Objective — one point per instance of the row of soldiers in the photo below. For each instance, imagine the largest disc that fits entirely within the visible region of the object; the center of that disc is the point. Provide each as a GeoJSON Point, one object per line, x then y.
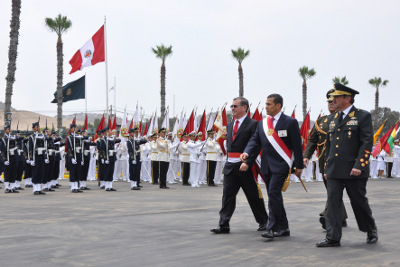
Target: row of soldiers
{"type": "Point", "coordinates": [38, 155]}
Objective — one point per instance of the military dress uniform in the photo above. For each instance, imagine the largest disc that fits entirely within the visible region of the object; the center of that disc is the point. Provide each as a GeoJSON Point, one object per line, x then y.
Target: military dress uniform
{"type": "Point", "coordinates": [86, 144]}
{"type": "Point", "coordinates": [38, 150]}
{"type": "Point", "coordinates": [21, 160]}
{"type": "Point", "coordinates": [317, 140]}
{"type": "Point", "coordinates": [163, 159]}
{"type": "Point", "coordinates": [155, 169]}
{"type": "Point", "coordinates": [185, 161]}
{"type": "Point", "coordinates": [27, 167]}
{"type": "Point", "coordinates": [109, 161]}
{"type": "Point", "coordinates": [75, 161]}
{"type": "Point", "coordinates": [100, 145]}
{"type": "Point", "coordinates": [348, 145]}
{"type": "Point", "coordinates": [57, 159]}
{"type": "Point", "coordinates": [211, 160]}
{"type": "Point", "coordinates": [9, 151]}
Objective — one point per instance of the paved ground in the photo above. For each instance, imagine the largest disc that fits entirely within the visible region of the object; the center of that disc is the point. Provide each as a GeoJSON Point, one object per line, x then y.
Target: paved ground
{"type": "Point", "coordinates": [154, 227]}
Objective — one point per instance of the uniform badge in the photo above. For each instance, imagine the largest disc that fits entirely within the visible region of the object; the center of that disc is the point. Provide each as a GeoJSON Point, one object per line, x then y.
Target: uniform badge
{"type": "Point", "coordinates": [351, 114]}
{"type": "Point", "coordinates": [325, 120]}
{"type": "Point", "coordinates": [270, 132]}
{"type": "Point", "coordinates": [282, 133]}
{"type": "Point", "coordinates": [352, 122]}
{"type": "Point", "coordinates": [336, 115]}
{"type": "Point", "coordinates": [331, 125]}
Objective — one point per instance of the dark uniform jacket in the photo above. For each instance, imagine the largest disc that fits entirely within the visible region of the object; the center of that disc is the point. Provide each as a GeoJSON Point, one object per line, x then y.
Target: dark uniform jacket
{"type": "Point", "coordinates": [349, 144]}
{"type": "Point", "coordinates": [316, 140]}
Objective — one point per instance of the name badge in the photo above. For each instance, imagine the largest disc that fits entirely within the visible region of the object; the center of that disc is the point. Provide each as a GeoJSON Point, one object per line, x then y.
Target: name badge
{"type": "Point", "coordinates": [282, 133]}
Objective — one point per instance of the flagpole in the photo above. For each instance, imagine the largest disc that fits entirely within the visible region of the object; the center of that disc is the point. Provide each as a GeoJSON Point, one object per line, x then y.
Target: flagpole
{"type": "Point", "coordinates": [106, 61]}
{"type": "Point", "coordinates": [85, 96]}
{"type": "Point", "coordinates": [115, 94]}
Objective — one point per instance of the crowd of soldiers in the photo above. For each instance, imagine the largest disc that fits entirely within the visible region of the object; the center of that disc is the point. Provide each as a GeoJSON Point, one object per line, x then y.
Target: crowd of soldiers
{"type": "Point", "coordinates": [42, 156]}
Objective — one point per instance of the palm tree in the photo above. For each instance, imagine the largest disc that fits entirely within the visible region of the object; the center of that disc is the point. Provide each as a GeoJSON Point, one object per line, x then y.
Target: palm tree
{"type": "Point", "coordinates": [305, 74]}
{"type": "Point", "coordinates": [59, 25]}
{"type": "Point", "coordinates": [12, 54]}
{"type": "Point", "coordinates": [342, 80]}
{"type": "Point", "coordinates": [162, 52]}
{"type": "Point", "coordinates": [377, 82]}
{"type": "Point", "coordinates": [240, 55]}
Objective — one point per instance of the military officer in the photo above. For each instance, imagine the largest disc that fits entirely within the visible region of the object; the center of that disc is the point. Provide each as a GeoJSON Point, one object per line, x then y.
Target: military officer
{"type": "Point", "coordinates": [39, 157]}
{"type": "Point", "coordinates": [86, 144]}
{"type": "Point", "coordinates": [317, 140]}
{"type": "Point", "coordinates": [185, 159]}
{"type": "Point", "coordinates": [138, 166]}
{"type": "Point", "coordinates": [100, 144]}
{"type": "Point", "coordinates": [74, 158]}
{"type": "Point", "coordinates": [163, 157]}
{"type": "Point", "coordinates": [28, 167]}
{"type": "Point", "coordinates": [57, 158]}
{"type": "Point", "coordinates": [109, 161]}
{"type": "Point", "coordinates": [9, 152]}
{"type": "Point", "coordinates": [155, 170]}
{"type": "Point", "coordinates": [348, 145]}
{"type": "Point", "coordinates": [49, 164]}
{"type": "Point", "coordinates": [21, 159]}
{"type": "Point", "coordinates": [211, 157]}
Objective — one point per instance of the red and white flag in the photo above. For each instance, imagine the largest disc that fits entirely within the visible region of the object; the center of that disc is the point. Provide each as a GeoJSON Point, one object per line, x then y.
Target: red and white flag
{"type": "Point", "coordinates": [90, 54]}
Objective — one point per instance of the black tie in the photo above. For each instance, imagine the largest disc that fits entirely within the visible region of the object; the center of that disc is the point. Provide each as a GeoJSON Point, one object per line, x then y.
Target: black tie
{"type": "Point", "coordinates": [340, 116]}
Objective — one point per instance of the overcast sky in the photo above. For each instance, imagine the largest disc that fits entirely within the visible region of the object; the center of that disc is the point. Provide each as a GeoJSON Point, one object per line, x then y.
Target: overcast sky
{"type": "Point", "coordinates": [359, 39]}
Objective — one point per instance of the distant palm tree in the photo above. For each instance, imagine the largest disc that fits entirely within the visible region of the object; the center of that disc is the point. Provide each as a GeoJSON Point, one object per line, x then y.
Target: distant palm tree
{"type": "Point", "coordinates": [59, 25]}
{"type": "Point", "coordinates": [305, 74]}
{"type": "Point", "coordinates": [12, 54]}
{"type": "Point", "coordinates": [342, 80]}
{"type": "Point", "coordinates": [240, 55]}
{"type": "Point", "coordinates": [377, 82]}
{"type": "Point", "coordinates": [162, 52]}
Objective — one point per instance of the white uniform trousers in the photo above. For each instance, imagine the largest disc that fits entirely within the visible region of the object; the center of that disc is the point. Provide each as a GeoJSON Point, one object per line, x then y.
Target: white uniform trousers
{"type": "Point", "coordinates": [194, 174]}
{"type": "Point", "coordinates": [146, 171]}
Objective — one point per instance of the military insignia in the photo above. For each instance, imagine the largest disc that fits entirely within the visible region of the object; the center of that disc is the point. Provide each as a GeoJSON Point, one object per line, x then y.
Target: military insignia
{"type": "Point", "coordinates": [336, 115]}
{"type": "Point", "coordinates": [352, 122]}
{"type": "Point", "coordinates": [353, 118]}
{"type": "Point", "coordinates": [325, 120]}
{"type": "Point", "coordinates": [362, 164]}
{"type": "Point", "coordinates": [351, 114]}
{"type": "Point", "coordinates": [270, 132]}
{"type": "Point", "coordinates": [361, 160]}
{"type": "Point", "coordinates": [331, 126]}
{"type": "Point", "coordinates": [366, 155]}
{"type": "Point", "coordinates": [69, 91]}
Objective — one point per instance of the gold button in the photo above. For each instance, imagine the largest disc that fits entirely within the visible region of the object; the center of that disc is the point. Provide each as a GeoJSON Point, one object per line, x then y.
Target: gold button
{"type": "Point", "coordinates": [337, 145]}
{"type": "Point", "coordinates": [362, 164]}
{"type": "Point", "coordinates": [338, 130]}
{"type": "Point", "coordinates": [336, 154]}
{"type": "Point", "coordinates": [337, 138]}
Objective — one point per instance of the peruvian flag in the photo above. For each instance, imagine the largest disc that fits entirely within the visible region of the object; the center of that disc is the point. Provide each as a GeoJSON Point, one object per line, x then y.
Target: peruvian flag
{"type": "Point", "coordinates": [190, 124]}
{"type": "Point", "coordinates": [220, 123]}
{"type": "Point", "coordinates": [85, 125]}
{"type": "Point", "coordinates": [99, 127]}
{"type": "Point", "coordinates": [202, 127]}
{"type": "Point", "coordinates": [113, 129]}
{"type": "Point", "coordinates": [90, 54]}
{"type": "Point", "coordinates": [305, 129]}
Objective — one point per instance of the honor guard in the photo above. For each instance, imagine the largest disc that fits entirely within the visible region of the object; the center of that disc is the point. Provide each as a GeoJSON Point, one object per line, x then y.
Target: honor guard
{"type": "Point", "coordinates": [173, 168]}
{"type": "Point", "coordinates": [38, 151]}
{"type": "Point", "coordinates": [194, 150]}
{"type": "Point", "coordinates": [211, 157]}
{"type": "Point", "coordinates": [163, 157]}
{"type": "Point", "coordinates": [145, 154]}
{"type": "Point", "coordinates": [155, 169]}
{"type": "Point", "coordinates": [9, 151]}
{"type": "Point", "coordinates": [202, 159]}
{"type": "Point", "coordinates": [133, 145]}
{"type": "Point", "coordinates": [109, 158]}
{"type": "Point", "coordinates": [86, 144]}
{"type": "Point", "coordinates": [21, 141]}
{"type": "Point", "coordinates": [49, 164]}
{"type": "Point", "coordinates": [74, 158]}
{"type": "Point", "coordinates": [185, 159]}
{"type": "Point", "coordinates": [57, 158]}
{"type": "Point", "coordinates": [317, 140]}
{"type": "Point", "coordinates": [100, 144]}
{"type": "Point", "coordinates": [28, 168]}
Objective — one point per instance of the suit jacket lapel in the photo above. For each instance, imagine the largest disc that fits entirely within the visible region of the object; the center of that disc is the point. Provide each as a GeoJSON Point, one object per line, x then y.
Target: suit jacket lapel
{"type": "Point", "coordinates": [280, 122]}
{"type": "Point", "coordinates": [229, 130]}
{"type": "Point", "coordinates": [347, 118]}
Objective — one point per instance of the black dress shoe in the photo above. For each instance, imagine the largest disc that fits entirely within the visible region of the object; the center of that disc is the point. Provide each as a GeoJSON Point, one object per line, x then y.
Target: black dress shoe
{"type": "Point", "coordinates": [262, 227]}
{"type": "Point", "coordinates": [322, 221]}
{"type": "Point", "coordinates": [268, 234]}
{"type": "Point", "coordinates": [74, 191]}
{"type": "Point", "coordinates": [112, 189]}
{"type": "Point", "coordinates": [221, 230]}
{"type": "Point", "coordinates": [280, 233]}
{"type": "Point", "coordinates": [164, 187]}
{"type": "Point", "coordinates": [36, 193]}
{"type": "Point", "coordinates": [212, 185]}
{"type": "Point", "coordinates": [102, 187]}
{"type": "Point", "coordinates": [135, 188]}
{"type": "Point", "coordinates": [41, 193]}
{"type": "Point", "coordinates": [14, 191]}
{"type": "Point", "coordinates": [85, 188]}
{"type": "Point", "coordinates": [328, 243]}
{"type": "Point", "coordinates": [7, 191]}
{"type": "Point", "coordinates": [51, 190]}
{"type": "Point", "coordinates": [108, 190]}
{"type": "Point", "coordinates": [140, 186]}
{"type": "Point", "coordinates": [344, 223]}
{"type": "Point", "coordinates": [79, 191]}
{"type": "Point", "coordinates": [58, 185]}
{"type": "Point", "coordinates": [45, 190]}
{"type": "Point", "coordinates": [372, 237]}
{"type": "Point", "coordinates": [19, 188]}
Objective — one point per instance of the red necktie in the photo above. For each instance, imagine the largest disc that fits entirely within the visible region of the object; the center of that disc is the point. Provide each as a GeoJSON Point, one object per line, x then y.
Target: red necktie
{"type": "Point", "coordinates": [235, 129]}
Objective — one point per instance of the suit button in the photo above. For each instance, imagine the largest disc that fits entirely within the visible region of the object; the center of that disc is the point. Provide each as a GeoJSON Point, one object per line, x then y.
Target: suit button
{"type": "Point", "coordinates": [336, 155]}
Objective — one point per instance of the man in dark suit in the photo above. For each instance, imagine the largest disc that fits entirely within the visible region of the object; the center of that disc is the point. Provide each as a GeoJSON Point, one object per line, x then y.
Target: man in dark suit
{"type": "Point", "coordinates": [239, 132]}
{"type": "Point", "coordinates": [317, 140]}
{"type": "Point", "coordinates": [279, 137]}
{"type": "Point", "coordinates": [348, 146]}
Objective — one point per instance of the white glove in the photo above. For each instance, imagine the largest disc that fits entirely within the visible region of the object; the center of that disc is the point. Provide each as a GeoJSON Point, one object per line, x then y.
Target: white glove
{"type": "Point", "coordinates": [46, 161]}
{"type": "Point", "coordinates": [106, 162]}
{"type": "Point", "coordinates": [32, 163]}
{"type": "Point", "coordinates": [102, 161]}
{"type": "Point", "coordinates": [28, 161]}
{"type": "Point", "coordinates": [133, 161]}
{"type": "Point", "coordinates": [82, 163]}
{"type": "Point", "coordinates": [6, 163]}
{"type": "Point", "coordinates": [73, 161]}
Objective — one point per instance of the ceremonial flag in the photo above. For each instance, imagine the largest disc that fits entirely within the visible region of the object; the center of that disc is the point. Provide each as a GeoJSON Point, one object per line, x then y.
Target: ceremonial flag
{"type": "Point", "coordinates": [390, 142]}
{"type": "Point", "coordinates": [131, 124]}
{"type": "Point", "coordinates": [145, 129]}
{"type": "Point", "coordinates": [140, 127]}
{"type": "Point", "coordinates": [257, 115]}
{"type": "Point", "coordinates": [155, 123]}
{"type": "Point", "coordinates": [195, 122]}
{"type": "Point", "coordinates": [190, 124]}
{"type": "Point", "coordinates": [165, 123]}
{"type": "Point", "coordinates": [294, 113]}
{"type": "Point", "coordinates": [382, 142]}
{"type": "Point", "coordinates": [202, 126]}
{"type": "Point", "coordinates": [305, 129]}
{"type": "Point", "coordinates": [376, 135]}
{"type": "Point", "coordinates": [150, 128]}
{"type": "Point", "coordinates": [72, 91]}
{"type": "Point", "coordinates": [179, 129]}
{"type": "Point", "coordinates": [99, 127]}
{"type": "Point", "coordinates": [90, 54]}
{"type": "Point", "coordinates": [85, 125]}
{"type": "Point", "coordinates": [109, 122]}
{"type": "Point", "coordinates": [220, 123]}
{"type": "Point", "coordinates": [124, 129]}
{"type": "Point", "coordinates": [211, 119]}
{"type": "Point", "coordinates": [136, 120]}
{"type": "Point", "coordinates": [113, 128]}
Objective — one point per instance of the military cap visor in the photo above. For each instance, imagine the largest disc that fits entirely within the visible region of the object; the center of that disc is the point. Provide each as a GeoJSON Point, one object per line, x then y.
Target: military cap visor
{"type": "Point", "coordinates": [341, 89]}
{"type": "Point", "coordinates": [136, 129]}
{"type": "Point", "coordinates": [184, 134]}
{"type": "Point", "coordinates": [162, 130]}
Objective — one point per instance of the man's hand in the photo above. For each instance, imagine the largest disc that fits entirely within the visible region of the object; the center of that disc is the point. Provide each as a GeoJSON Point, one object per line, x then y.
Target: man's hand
{"type": "Point", "coordinates": [325, 177]}
{"type": "Point", "coordinates": [243, 157]}
{"type": "Point", "coordinates": [244, 167]}
{"type": "Point", "coordinates": [355, 172]}
{"type": "Point", "coordinates": [305, 162]}
{"type": "Point", "coordinates": [298, 172]}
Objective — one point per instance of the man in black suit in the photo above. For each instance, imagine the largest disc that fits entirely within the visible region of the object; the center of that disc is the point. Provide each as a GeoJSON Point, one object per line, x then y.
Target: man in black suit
{"type": "Point", "coordinates": [279, 137]}
{"type": "Point", "coordinates": [348, 145]}
{"type": "Point", "coordinates": [239, 132]}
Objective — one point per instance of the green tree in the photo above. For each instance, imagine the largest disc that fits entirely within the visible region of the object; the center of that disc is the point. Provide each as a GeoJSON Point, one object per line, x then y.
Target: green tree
{"type": "Point", "coordinates": [305, 74]}
{"type": "Point", "coordinates": [12, 53]}
{"type": "Point", "coordinates": [240, 54]}
{"type": "Point", "coordinates": [379, 115]}
{"type": "Point", "coordinates": [377, 82]}
{"type": "Point", "coordinates": [162, 52]}
{"type": "Point", "coordinates": [59, 25]}
{"type": "Point", "coordinates": [342, 80]}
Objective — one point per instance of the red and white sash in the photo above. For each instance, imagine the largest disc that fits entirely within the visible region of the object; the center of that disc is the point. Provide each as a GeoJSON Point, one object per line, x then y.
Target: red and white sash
{"type": "Point", "coordinates": [277, 142]}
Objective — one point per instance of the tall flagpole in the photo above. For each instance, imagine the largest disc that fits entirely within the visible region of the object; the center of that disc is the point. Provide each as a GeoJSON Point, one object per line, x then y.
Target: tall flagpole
{"type": "Point", "coordinates": [115, 95]}
{"type": "Point", "coordinates": [106, 61]}
{"type": "Point", "coordinates": [85, 95]}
